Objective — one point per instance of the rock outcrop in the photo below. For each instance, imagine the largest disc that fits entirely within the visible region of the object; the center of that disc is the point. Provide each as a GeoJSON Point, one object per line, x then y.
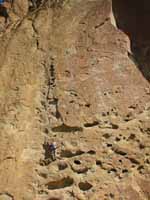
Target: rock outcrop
{"type": "Point", "coordinates": [75, 72]}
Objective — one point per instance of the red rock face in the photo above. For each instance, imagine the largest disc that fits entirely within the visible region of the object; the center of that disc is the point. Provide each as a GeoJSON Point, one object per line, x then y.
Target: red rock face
{"type": "Point", "coordinates": [96, 76]}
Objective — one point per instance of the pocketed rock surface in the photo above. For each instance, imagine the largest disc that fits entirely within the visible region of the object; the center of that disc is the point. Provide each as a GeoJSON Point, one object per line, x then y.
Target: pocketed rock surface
{"type": "Point", "coordinates": [68, 74]}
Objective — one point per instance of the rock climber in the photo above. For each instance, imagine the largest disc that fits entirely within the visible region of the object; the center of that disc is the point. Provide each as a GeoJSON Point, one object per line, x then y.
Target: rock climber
{"type": "Point", "coordinates": [52, 148]}
{"type": "Point", "coordinates": [3, 10]}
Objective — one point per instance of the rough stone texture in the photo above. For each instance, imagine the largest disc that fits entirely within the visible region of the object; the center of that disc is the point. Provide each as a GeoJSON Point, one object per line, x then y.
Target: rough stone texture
{"type": "Point", "coordinates": [69, 74]}
{"type": "Point", "coordinates": [20, 7]}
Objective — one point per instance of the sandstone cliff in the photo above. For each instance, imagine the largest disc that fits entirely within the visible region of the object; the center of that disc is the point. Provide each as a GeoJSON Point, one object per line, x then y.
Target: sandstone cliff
{"type": "Point", "coordinates": [75, 72]}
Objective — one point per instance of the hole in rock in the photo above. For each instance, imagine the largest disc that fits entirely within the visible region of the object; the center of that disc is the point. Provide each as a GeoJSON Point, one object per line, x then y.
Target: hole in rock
{"type": "Point", "coordinates": [84, 186]}
{"type": "Point", "coordinates": [132, 136]}
{"type": "Point", "coordinates": [77, 162]}
{"type": "Point", "coordinates": [46, 130]}
{"type": "Point", "coordinates": [87, 105]}
{"type": "Point", "coordinates": [132, 17]}
{"type": "Point", "coordinates": [109, 145]}
{"type": "Point", "coordinates": [114, 126]}
{"type": "Point", "coordinates": [43, 192]}
{"type": "Point", "coordinates": [65, 128]}
{"type": "Point", "coordinates": [106, 135]}
{"type": "Point", "coordinates": [117, 139]}
{"type": "Point", "coordinates": [68, 153]}
{"type": "Point", "coordinates": [111, 195]}
{"type": "Point", "coordinates": [141, 146]}
{"type": "Point", "coordinates": [120, 151]}
{"type": "Point", "coordinates": [134, 160]}
{"type": "Point", "coordinates": [59, 184]}
{"type": "Point", "coordinates": [72, 101]}
{"type": "Point", "coordinates": [92, 152]}
{"type": "Point", "coordinates": [104, 114]}
{"type": "Point", "coordinates": [147, 161]}
{"type": "Point", "coordinates": [98, 162]}
{"type": "Point", "coordinates": [88, 125]}
{"type": "Point", "coordinates": [113, 170]}
{"type": "Point", "coordinates": [140, 167]}
{"type": "Point", "coordinates": [133, 166]}
{"type": "Point", "coordinates": [125, 171]}
{"type": "Point", "coordinates": [108, 113]}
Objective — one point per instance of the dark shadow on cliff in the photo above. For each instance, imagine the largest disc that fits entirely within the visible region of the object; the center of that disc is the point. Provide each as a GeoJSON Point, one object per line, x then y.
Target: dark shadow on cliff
{"type": "Point", "coordinates": [133, 17]}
